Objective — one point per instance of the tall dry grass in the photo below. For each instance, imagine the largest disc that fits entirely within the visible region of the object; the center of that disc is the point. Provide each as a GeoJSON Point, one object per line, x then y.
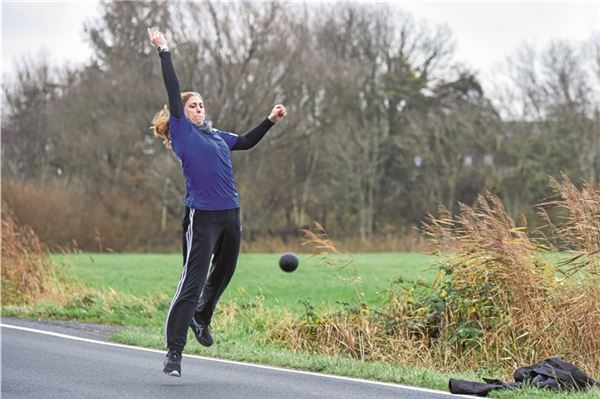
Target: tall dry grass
{"type": "Point", "coordinates": [29, 276]}
{"type": "Point", "coordinates": [496, 304]}
{"type": "Point", "coordinates": [573, 224]}
{"type": "Point", "coordinates": [26, 266]}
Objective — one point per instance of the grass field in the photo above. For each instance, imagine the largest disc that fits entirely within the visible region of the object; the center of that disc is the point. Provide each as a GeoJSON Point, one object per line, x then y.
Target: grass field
{"type": "Point", "coordinates": [365, 279]}
{"type": "Point", "coordinates": [139, 288]}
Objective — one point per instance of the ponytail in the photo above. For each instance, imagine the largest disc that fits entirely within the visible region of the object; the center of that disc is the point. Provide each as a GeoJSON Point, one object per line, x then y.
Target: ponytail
{"type": "Point", "coordinates": [160, 126]}
{"type": "Point", "coordinates": [160, 122]}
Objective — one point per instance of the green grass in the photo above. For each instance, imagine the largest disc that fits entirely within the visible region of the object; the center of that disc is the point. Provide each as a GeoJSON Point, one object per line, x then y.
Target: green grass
{"type": "Point", "coordinates": [257, 274]}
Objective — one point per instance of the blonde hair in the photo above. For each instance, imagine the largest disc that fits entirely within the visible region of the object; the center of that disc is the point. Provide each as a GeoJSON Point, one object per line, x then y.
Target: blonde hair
{"type": "Point", "coordinates": [160, 121]}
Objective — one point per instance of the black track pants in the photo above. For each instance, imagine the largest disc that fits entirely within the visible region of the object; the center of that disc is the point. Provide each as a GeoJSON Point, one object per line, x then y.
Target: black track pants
{"type": "Point", "coordinates": [204, 233]}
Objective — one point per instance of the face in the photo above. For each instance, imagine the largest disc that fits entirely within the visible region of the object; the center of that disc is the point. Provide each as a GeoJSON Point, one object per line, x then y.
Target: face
{"type": "Point", "coordinates": [194, 110]}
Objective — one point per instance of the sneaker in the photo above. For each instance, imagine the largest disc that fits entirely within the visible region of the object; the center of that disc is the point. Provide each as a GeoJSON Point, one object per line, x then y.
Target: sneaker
{"type": "Point", "coordinates": [172, 365]}
{"type": "Point", "coordinates": [202, 333]}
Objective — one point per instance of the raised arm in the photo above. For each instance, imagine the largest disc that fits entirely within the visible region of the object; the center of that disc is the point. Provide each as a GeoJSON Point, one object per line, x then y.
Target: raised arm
{"type": "Point", "coordinates": [168, 72]}
{"type": "Point", "coordinates": [252, 138]}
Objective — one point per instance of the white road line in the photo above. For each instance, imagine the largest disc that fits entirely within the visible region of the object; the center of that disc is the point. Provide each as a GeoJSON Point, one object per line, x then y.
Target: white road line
{"type": "Point", "coordinates": [210, 359]}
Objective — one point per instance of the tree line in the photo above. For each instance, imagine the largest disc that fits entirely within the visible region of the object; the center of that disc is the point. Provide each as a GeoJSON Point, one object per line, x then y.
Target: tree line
{"type": "Point", "coordinates": [384, 123]}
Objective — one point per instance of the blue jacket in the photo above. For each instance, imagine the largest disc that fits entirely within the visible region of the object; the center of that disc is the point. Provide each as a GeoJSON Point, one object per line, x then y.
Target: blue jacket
{"type": "Point", "coordinates": [205, 156]}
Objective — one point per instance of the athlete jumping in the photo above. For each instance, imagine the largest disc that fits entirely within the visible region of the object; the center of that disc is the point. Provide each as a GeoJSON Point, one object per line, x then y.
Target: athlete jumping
{"type": "Point", "coordinates": [211, 226]}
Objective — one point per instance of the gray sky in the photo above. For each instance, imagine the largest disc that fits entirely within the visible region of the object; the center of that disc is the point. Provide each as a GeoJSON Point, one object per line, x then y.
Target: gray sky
{"type": "Point", "coordinates": [29, 28]}
{"type": "Point", "coordinates": [485, 32]}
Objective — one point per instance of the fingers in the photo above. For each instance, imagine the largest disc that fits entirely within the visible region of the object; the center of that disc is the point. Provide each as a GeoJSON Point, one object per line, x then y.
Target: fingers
{"type": "Point", "coordinates": [151, 35]}
{"type": "Point", "coordinates": [156, 37]}
{"type": "Point", "coordinates": [280, 110]}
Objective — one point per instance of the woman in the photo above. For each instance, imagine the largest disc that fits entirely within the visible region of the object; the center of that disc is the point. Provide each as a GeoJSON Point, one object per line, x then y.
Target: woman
{"type": "Point", "coordinates": [211, 225]}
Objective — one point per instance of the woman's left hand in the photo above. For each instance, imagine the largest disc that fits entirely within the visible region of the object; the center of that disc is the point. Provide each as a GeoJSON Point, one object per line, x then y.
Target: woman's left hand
{"type": "Point", "coordinates": [278, 113]}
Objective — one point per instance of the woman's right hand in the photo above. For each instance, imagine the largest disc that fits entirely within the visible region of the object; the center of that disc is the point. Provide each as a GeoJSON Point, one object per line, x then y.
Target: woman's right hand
{"type": "Point", "coordinates": [157, 38]}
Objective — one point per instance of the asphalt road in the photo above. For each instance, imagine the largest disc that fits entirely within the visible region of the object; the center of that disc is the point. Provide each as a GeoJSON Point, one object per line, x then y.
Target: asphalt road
{"type": "Point", "coordinates": [42, 364]}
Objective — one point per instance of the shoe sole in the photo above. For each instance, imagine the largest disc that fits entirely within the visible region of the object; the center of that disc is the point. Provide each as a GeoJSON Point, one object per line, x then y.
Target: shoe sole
{"type": "Point", "coordinates": [173, 373]}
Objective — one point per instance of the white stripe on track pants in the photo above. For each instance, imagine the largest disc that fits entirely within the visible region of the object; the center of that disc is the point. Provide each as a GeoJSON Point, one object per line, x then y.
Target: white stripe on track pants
{"type": "Point", "coordinates": [205, 233]}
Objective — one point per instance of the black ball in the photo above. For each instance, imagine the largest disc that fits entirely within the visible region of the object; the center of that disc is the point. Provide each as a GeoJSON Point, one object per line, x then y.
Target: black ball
{"type": "Point", "coordinates": [288, 262]}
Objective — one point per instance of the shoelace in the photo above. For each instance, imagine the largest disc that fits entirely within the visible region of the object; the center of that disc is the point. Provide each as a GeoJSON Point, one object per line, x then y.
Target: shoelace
{"type": "Point", "coordinates": [201, 328]}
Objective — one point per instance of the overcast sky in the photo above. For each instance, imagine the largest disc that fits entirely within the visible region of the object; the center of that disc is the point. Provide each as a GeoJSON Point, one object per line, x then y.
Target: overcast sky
{"type": "Point", "coordinates": [485, 32]}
